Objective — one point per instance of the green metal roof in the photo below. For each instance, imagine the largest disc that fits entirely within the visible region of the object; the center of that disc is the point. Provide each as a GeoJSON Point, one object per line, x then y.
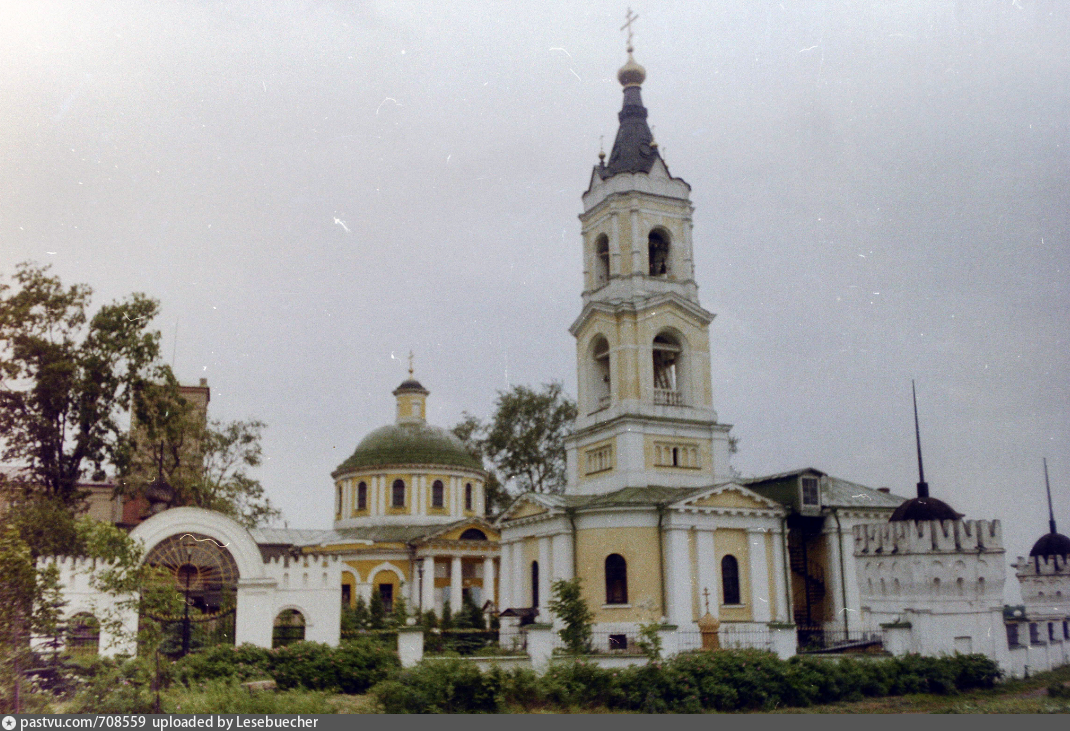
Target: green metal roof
{"type": "Point", "coordinates": [398, 444]}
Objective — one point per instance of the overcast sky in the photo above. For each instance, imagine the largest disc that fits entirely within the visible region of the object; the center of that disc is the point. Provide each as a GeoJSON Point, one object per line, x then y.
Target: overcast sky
{"type": "Point", "coordinates": [312, 189]}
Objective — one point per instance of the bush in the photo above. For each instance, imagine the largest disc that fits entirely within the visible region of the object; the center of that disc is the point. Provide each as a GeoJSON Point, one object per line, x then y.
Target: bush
{"type": "Point", "coordinates": [353, 667]}
{"type": "Point", "coordinates": [446, 686]}
{"type": "Point", "coordinates": [228, 696]}
{"type": "Point", "coordinates": [116, 686]}
{"type": "Point", "coordinates": [245, 662]}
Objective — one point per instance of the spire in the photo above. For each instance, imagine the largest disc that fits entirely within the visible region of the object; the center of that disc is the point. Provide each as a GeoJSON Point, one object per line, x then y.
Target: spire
{"type": "Point", "coordinates": [633, 151]}
{"type": "Point", "coordinates": [923, 486]}
{"type": "Point", "coordinates": [1051, 511]}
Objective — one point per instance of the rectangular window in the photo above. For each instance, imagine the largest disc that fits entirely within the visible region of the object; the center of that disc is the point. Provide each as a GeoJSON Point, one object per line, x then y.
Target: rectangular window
{"type": "Point", "coordinates": [599, 459]}
{"type": "Point", "coordinates": [667, 454]}
{"type": "Point", "coordinates": [347, 594]}
{"type": "Point", "coordinates": [397, 497]}
{"type": "Point", "coordinates": [810, 493]}
{"type": "Point", "coordinates": [618, 643]}
{"type": "Point", "coordinates": [1051, 631]}
{"type": "Point", "coordinates": [468, 496]}
{"type": "Point", "coordinates": [438, 492]}
{"type": "Point", "coordinates": [362, 496]}
{"type": "Point", "coordinates": [1012, 635]}
{"type": "Point", "coordinates": [1034, 633]}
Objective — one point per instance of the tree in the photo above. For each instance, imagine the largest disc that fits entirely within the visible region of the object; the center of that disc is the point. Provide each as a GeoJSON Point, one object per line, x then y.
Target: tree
{"type": "Point", "coordinates": [204, 462]}
{"type": "Point", "coordinates": [525, 439]}
{"type": "Point", "coordinates": [66, 378]}
{"type": "Point", "coordinates": [568, 605]}
{"type": "Point", "coordinates": [470, 430]}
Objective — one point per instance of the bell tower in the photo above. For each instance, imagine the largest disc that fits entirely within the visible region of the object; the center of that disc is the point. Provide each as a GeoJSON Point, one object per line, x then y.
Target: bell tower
{"type": "Point", "coordinates": [645, 398]}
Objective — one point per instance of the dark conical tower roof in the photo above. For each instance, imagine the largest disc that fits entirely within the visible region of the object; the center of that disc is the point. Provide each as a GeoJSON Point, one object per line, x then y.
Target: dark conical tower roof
{"type": "Point", "coordinates": [1051, 543]}
{"type": "Point", "coordinates": [923, 507]}
{"type": "Point", "coordinates": [634, 150]}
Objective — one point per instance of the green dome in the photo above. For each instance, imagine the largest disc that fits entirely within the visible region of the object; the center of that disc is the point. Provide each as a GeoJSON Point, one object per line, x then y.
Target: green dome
{"type": "Point", "coordinates": [399, 444]}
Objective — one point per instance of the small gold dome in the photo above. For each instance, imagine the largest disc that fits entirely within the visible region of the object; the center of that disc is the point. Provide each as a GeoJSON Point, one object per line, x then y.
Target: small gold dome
{"type": "Point", "coordinates": [631, 73]}
{"type": "Point", "coordinates": [709, 623]}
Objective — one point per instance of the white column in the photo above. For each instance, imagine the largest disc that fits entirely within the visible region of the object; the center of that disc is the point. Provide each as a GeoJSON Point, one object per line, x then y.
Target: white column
{"type": "Point", "coordinates": [759, 576]}
{"type": "Point", "coordinates": [561, 546]}
{"type": "Point", "coordinates": [834, 587]}
{"type": "Point", "coordinates": [678, 576]}
{"type": "Point", "coordinates": [418, 486]}
{"type": "Point", "coordinates": [428, 588]}
{"type": "Point", "coordinates": [707, 572]}
{"type": "Point", "coordinates": [488, 579]}
{"type": "Point", "coordinates": [455, 496]}
{"type": "Point", "coordinates": [521, 582]}
{"type": "Point", "coordinates": [506, 578]}
{"type": "Point", "coordinates": [783, 611]}
{"type": "Point", "coordinates": [545, 566]}
{"type": "Point", "coordinates": [455, 585]}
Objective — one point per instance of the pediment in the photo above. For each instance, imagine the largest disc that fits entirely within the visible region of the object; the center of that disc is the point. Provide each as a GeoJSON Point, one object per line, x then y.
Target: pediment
{"type": "Point", "coordinates": [730, 496]}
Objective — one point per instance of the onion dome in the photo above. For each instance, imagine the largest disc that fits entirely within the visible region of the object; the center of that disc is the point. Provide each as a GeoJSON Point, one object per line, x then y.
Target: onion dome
{"type": "Point", "coordinates": [1051, 544]}
{"type": "Point", "coordinates": [160, 495]}
{"type": "Point", "coordinates": [411, 385]}
{"type": "Point", "coordinates": [708, 623]}
{"type": "Point", "coordinates": [924, 508]}
{"type": "Point", "coordinates": [631, 73]}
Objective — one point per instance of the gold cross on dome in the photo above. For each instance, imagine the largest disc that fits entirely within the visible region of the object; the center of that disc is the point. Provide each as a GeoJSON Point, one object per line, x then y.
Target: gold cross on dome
{"type": "Point", "coordinates": [629, 19]}
{"type": "Point", "coordinates": [410, 362]}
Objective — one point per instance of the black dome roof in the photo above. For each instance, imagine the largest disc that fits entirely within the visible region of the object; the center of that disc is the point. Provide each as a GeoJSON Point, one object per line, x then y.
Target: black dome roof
{"type": "Point", "coordinates": [925, 508]}
{"type": "Point", "coordinates": [410, 384]}
{"type": "Point", "coordinates": [1051, 544]}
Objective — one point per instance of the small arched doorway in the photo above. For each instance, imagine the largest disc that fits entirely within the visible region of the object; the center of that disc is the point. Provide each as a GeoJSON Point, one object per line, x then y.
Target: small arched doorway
{"type": "Point", "coordinates": [289, 627]}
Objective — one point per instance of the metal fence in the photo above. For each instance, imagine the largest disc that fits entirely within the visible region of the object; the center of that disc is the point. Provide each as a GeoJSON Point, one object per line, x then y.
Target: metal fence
{"type": "Point", "coordinates": [729, 638]}
{"type": "Point", "coordinates": [464, 642]}
{"type": "Point", "coordinates": [835, 639]}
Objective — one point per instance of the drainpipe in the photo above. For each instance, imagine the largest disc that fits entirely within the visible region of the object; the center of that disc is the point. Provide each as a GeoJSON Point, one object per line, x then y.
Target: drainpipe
{"type": "Point", "coordinates": [571, 513]}
{"type": "Point", "coordinates": [661, 558]}
{"type": "Point", "coordinates": [843, 573]}
{"type": "Point", "coordinates": [787, 568]}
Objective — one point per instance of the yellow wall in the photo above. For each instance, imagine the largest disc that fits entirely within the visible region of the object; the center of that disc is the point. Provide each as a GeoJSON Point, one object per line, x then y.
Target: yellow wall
{"type": "Point", "coordinates": [639, 547]}
{"type": "Point", "coordinates": [734, 541]}
{"type": "Point", "coordinates": [363, 566]}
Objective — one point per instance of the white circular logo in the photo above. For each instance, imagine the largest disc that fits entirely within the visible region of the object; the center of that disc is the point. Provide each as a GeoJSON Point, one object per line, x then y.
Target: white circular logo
{"type": "Point", "coordinates": [9, 723]}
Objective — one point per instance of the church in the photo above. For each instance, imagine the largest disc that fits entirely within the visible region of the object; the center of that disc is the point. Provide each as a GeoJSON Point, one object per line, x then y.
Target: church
{"type": "Point", "coordinates": [652, 520]}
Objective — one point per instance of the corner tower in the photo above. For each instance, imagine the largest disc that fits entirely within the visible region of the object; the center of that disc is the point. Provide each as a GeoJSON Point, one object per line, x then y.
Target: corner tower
{"type": "Point", "coordinates": [645, 399]}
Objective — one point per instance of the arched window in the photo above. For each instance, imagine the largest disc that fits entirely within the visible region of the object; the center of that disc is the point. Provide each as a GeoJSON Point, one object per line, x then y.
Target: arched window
{"type": "Point", "coordinates": [601, 261]}
{"type": "Point", "coordinates": [468, 496]}
{"type": "Point", "coordinates": [616, 579]}
{"type": "Point", "coordinates": [362, 496]}
{"type": "Point", "coordinates": [289, 627]}
{"type": "Point", "coordinates": [600, 373]}
{"type": "Point", "coordinates": [473, 534]}
{"type": "Point", "coordinates": [397, 496]}
{"type": "Point", "coordinates": [338, 501]}
{"type": "Point", "coordinates": [438, 494]}
{"type": "Point", "coordinates": [658, 247]}
{"type": "Point", "coordinates": [83, 635]}
{"type": "Point", "coordinates": [534, 583]}
{"type": "Point", "coordinates": [729, 580]}
{"type": "Point", "coordinates": [667, 364]}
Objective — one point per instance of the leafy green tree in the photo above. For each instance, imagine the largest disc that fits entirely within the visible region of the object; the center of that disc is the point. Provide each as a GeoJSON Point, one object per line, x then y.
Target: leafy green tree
{"type": "Point", "coordinates": [66, 378]}
{"type": "Point", "coordinates": [568, 605]}
{"type": "Point", "coordinates": [525, 441]}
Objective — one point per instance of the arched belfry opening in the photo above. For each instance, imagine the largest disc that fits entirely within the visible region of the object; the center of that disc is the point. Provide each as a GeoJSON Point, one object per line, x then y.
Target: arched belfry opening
{"type": "Point", "coordinates": [601, 261]}
{"type": "Point", "coordinates": [658, 252]}
{"type": "Point", "coordinates": [601, 380]}
{"type": "Point", "coordinates": [668, 363]}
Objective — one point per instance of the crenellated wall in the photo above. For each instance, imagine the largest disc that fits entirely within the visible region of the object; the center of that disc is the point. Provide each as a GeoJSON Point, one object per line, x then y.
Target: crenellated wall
{"type": "Point", "coordinates": [1045, 584]}
{"type": "Point", "coordinates": [941, 580]}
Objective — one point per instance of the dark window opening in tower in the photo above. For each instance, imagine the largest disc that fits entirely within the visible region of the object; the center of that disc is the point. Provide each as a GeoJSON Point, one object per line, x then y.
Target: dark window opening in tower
{"type": "Point", "coordinates": [667, 354]}
{"type": "Point", "coordinates": [362, 496]}
{"type": "Point", "coordinates": [658, 247]}
{"type": "Point", "coordinates": [534, 583]}
{"type": "Point", "coordinates": [616, 579]}
{"type": "Point", "coordinates": [468, 496]}
{"type": "Point", "coordinates": [601, 263]}
{"type": "Point", "coordinates": [397, 497]}
{"type": "Point", "coordinates": [601, 382]}
{"type": "Point", "coordinates": [729, 580]}
{"type": "Point", "coordinates": [438, 492]}
{"type": "Point", "coordinates": [675, 457]}
{"type": "Point", "coordinates": [338, 501]}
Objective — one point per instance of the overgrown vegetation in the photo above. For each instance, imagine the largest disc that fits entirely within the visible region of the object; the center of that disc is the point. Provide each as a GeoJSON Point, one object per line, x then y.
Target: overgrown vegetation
{"type": "Point", "coordinates": [568, 605]}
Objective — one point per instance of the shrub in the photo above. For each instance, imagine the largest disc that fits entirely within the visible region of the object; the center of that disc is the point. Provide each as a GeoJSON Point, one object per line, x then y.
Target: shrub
{"type": "Point", "coordinates": [577, 683]}
{"type": "Point", "coordinates": [228, 696]}
{"type": "Point", "coordinates": [353, 667]}
{"type": "Point", "coordinates": [245, 662]}
{"type": "Point", "coordinates": [116, 686]}
{"type": "Point", "coordinates": [446, 686]}
{"type": "Point", "coordinates": [519, 687]}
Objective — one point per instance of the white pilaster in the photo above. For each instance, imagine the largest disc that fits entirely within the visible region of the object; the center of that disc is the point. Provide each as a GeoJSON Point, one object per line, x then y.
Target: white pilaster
{"type": "Point", "coordinates": [561, 545]}
{"type": "Point", "coordinates": [834, 591]}
{"type": "Point", "coordinates": [488, 579]}
{"type": "Point", "coordinates": [428, 589]}
{"type": "Point", "coordinates": [545, 567]}
{"type": "Point", "coordinates": [455, 584]}
{"type": "Point", "coordinates": [783, 611]}
{"type": "Point", "coordinates": [678, 575]}
{"type": "Point", "coordinates": [505, 583]}
{"type": "Point", "coordinates": [707, 572]}
{"type": "Point", "coordinates": [521, 586]}
{"type": "Point", "coordinates": [759, 576]}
